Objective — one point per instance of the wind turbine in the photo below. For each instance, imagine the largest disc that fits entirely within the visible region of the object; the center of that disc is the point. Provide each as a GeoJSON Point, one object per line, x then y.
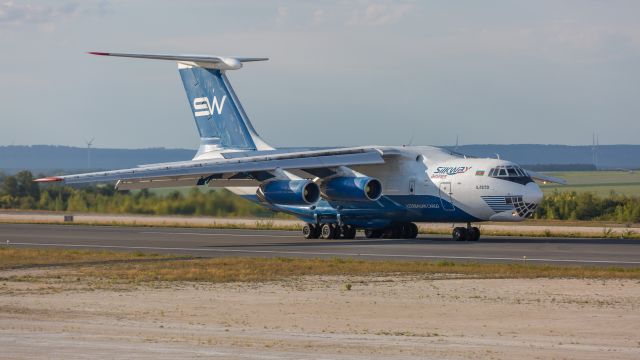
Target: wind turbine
{"type": "Point", "coordinates": [89, 143]}
{"type": "Point", "coordinates": [594, 149]}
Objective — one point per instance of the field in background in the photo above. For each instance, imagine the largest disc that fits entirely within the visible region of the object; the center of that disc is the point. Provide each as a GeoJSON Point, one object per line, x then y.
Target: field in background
{"type": "Point", "coordinates": [600, 183]}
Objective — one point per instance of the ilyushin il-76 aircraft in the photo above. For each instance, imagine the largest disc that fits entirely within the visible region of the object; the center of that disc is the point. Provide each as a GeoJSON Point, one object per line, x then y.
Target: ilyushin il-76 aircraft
{"type": "Point", "coordinates": [383, 190]}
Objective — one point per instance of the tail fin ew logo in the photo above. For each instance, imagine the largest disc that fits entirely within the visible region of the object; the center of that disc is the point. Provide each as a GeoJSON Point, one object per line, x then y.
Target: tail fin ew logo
{"type": "Point", "coordinates": [204, 107]}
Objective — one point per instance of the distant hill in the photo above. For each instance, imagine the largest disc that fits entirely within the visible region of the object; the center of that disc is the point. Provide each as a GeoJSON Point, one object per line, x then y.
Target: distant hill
{"type": "Point", "coordinates": [48, 158]}
{"type": "Point", "coordinates": [56, 159]}
{"type": "Point", "coordinates": [608, 156]}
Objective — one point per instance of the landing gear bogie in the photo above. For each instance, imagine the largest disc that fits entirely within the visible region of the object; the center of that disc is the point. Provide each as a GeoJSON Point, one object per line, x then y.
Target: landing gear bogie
{"type": "Point", "coordinates": [396, 231]}
{"type": "Point", "coordinates": [469, 233]}
{"type": "Point", "coordinates": [328, 231]}
{"type": "Point", "coordinates": [333, 231]}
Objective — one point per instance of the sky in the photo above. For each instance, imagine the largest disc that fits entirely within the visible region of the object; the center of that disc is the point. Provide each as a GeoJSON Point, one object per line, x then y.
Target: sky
{"type": "Point", "coordinates": [340, 72]}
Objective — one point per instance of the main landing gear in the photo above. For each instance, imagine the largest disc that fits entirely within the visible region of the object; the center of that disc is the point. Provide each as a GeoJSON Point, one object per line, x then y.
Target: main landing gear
{"type": "Point", "coordinates": [328, 231]}
{"type": "Point", "coordinates": [470, 233]}
{"type": "Point", "coordinates": [333, 231]}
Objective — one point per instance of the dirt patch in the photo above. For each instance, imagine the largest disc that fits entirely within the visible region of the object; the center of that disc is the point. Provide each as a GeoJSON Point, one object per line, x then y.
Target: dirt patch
{"type": "Point", "coordinates": [317, 317]}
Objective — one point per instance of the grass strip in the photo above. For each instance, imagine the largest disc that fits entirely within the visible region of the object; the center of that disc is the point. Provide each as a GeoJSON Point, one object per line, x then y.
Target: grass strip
{"type": "Point", "coordinates": [245, 269]}
{"type": "Point", "coordinates": [13, 258]}
{"type": "Point", "coordinates": [122, 267]}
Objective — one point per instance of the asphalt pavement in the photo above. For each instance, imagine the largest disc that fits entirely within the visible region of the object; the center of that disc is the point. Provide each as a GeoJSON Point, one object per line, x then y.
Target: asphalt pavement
{"type": "Point", "coordinates": [226, 242]}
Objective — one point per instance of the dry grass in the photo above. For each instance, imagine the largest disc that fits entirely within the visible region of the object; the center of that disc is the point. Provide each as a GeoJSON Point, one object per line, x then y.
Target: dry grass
{"type": "Point", "coordinates": [117, 267]}
{"type": "Point", "coordinates": [11, 258]}
{"type": "Point", "coordinates": [268, 269]}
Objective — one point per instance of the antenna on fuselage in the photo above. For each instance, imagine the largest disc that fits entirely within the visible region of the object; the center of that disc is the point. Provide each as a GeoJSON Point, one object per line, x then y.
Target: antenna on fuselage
{"type": "Point", "coordinates": [413, 134]}
{"type": "Point", "coordinates": [497, 156]}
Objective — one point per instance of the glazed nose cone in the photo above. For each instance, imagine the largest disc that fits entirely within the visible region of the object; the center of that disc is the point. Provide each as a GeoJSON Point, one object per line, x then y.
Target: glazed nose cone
{"type": "Point", "coordinates": [532, 193]}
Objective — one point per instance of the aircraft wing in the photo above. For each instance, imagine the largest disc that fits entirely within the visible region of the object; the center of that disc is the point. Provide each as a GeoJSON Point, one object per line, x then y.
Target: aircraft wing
{"type": "Point", "coordinates": [546, 178]}
{"type": "Point", "coordinates": [251, 169]}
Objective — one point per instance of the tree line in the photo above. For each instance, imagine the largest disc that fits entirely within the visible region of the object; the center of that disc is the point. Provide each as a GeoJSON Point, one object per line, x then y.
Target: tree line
{"type": "Point", "coordinates": [20, 192]}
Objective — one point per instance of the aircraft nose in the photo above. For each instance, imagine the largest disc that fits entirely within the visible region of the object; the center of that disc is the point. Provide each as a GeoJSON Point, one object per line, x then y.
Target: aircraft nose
{"type": "Point", "coordinates": [532, 193]}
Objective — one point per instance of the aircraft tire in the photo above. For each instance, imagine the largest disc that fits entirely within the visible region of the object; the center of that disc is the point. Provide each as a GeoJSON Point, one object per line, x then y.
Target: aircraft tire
{"type": "Point", "coordinates": [473, 234]}
{"type": "Point", "coordinates": [413, 230]}
{"type": "Point", "coordinates": [348, 232]}
{"type": "Point", "coordinates": [459, 234]}
{"type": "Point", "coordinates": [337, 231]}
{"type": "Point", "coordinates": [393, 232]}
{"type": "Point", "coordinates": [311, 231]}
{"type": "Point", "coordinates": [328, 231]}
{"type": "Point", "coordinates": [409, 231]}
{"type": "Point", "coordinates": [373, 233]}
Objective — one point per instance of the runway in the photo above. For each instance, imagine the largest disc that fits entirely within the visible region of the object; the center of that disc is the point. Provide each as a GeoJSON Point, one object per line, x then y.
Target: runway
{"type": "Point", "coordinates": [225, 242]}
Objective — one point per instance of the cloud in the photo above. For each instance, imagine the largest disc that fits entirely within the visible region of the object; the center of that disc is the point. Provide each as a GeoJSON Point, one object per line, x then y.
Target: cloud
{"type": "Point", "coordinates": [282, 15]}
{"type": "Point", "coordinates": [318, 17]}
{"type": "Point", "coordinates": [379, 14]}
{"type": "Point", "coordinates": [44, 15]}
{"type": "Point", "coordinates": [12, 13]}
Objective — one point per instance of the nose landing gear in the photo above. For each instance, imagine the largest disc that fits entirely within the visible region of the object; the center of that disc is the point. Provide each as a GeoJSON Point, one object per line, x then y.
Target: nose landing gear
{"type": "Point", "coordinates": [470, 233]}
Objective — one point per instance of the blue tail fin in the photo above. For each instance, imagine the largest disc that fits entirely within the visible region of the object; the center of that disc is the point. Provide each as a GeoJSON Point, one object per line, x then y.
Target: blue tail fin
{"type": "Point", "coordinates": [220, 118]}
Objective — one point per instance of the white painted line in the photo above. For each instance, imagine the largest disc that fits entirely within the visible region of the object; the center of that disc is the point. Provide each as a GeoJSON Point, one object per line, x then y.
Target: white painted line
{"type": "Point", "coordinates": [215, 234]}
{"type": "Point", "coordinates": [408, 256]}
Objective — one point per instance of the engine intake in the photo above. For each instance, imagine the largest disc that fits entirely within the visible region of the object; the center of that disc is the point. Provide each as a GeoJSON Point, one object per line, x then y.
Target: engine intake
{"type": "Point", "coordinates": [289, 192]}
{"type": "Point", "coordinates": [351, 189]}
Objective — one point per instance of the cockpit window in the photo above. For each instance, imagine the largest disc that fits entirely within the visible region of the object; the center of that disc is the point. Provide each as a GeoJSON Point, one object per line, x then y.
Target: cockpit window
{"type": "Point", "coordinates": [511, 173]}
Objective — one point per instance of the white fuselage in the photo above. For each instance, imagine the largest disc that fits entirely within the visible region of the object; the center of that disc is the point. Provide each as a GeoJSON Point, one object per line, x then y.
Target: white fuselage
{"type": "Point", "coordinates": [434, 184]}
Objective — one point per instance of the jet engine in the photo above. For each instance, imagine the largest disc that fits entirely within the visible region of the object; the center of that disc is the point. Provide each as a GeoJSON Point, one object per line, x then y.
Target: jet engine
{"type": "Point", "coordinates": [289, 192]}
{"type": "Point", "coordinates": [351, 189]}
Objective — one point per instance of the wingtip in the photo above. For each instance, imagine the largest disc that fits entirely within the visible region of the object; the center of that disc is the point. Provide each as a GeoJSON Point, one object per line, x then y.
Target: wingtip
{"type": "Point", "coordinates": [98, 53]}
{"type": "Point", "coordinates": [48, 179]}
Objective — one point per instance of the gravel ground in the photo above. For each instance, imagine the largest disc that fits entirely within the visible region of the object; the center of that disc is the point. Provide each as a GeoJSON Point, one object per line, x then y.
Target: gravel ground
{"type": "Point", "coordinates": [318, 318]}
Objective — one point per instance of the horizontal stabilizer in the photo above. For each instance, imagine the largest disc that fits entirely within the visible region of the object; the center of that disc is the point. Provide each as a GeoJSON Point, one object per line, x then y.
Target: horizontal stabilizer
{"type": "Point", "coordinates": [211, 61]}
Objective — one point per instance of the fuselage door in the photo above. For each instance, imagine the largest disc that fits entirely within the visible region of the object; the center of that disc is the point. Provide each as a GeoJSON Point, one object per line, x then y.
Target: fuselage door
{"type": "Point", "coordinates": [445, 196]}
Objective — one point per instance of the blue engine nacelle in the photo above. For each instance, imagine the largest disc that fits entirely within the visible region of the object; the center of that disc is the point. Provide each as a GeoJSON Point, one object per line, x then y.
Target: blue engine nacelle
{"type": "Point", "coordinates": [289, 192]}
{"type": "Point", "coordinates": [351, 189]}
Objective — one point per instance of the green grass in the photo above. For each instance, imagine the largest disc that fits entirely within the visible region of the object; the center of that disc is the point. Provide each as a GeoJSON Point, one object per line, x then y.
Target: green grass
{"type": "Point", "coordinates": [598, 182]}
